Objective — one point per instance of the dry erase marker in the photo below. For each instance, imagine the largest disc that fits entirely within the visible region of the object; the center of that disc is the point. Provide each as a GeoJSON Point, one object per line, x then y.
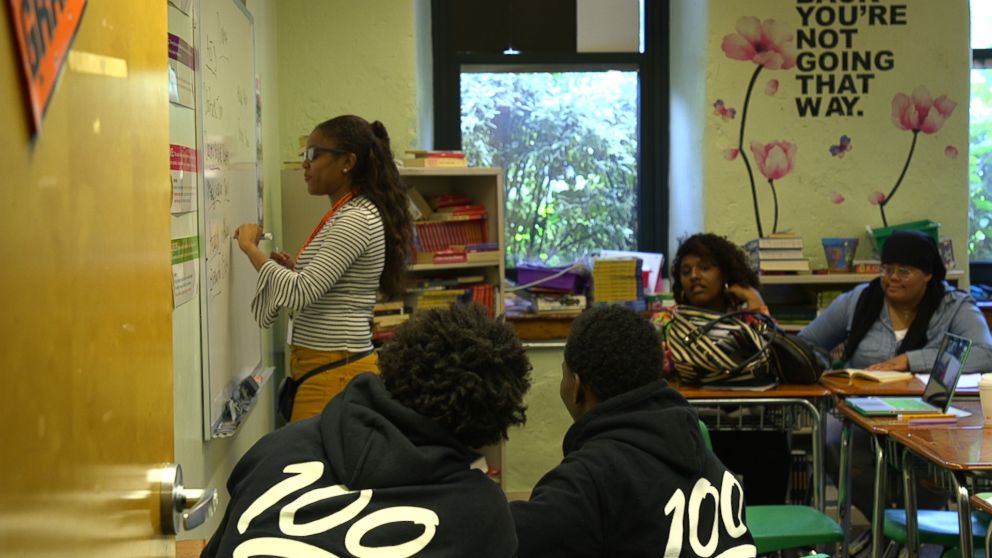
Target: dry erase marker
{"type": "Point", "coordinates": [266, 236]}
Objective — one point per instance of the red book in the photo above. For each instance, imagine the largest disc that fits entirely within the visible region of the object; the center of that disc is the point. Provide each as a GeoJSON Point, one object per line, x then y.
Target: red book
{"type": "Point", "coordinates": [449, 200]}
{"type": "Point", "coordinates": [439, 154]}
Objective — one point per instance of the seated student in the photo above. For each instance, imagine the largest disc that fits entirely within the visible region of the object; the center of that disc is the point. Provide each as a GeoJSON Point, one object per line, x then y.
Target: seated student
{"type": "Point", "coordinates": [897, 322]}
{"type": "Point", "coordinates": [711, 272]}
{"type": "Point", "coordinates": [637, 478]}
{"type": "Point", "coordinates": [384, 469]}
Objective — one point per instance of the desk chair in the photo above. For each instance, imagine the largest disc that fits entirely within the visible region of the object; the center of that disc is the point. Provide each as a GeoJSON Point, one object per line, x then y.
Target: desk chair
{"type": "Point", "coordinates": [938, 527]}
{"type": "Point", "coordinates": [779, 527]}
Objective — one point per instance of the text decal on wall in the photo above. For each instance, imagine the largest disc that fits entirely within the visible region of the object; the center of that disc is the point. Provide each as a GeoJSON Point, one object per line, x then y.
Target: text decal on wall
{"type": "Point", "coordinates": [833, 73]}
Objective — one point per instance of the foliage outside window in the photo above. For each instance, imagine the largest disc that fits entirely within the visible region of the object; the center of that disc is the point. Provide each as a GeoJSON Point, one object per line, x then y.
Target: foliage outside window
{"type": "Point", "coordinates": [567, 142]}
{"type": "Point", "coordinates": [980, 167]}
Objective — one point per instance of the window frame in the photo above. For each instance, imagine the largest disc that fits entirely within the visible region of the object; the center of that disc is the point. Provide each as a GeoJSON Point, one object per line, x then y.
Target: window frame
{"type": "Point", "coordinates": [653, 92]}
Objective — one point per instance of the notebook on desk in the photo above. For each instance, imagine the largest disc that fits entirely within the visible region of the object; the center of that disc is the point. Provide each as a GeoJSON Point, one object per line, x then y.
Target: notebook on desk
{"type": "Point", "coordinates": [937, 396]}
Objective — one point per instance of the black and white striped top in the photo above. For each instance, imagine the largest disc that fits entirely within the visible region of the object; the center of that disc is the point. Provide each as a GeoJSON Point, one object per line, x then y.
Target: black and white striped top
{"type": "Point", "coordinates": [333, 289]}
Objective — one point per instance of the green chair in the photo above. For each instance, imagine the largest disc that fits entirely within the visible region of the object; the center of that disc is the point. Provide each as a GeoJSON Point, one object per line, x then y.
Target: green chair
{"type": "Point", "coordinates": [935, 527]}
{"type": "Point", "coordinates": [779, 527]}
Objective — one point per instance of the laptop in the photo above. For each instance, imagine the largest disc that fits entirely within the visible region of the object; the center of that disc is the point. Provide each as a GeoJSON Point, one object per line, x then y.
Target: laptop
{"type": "Point", "coordinates": [937, 395]}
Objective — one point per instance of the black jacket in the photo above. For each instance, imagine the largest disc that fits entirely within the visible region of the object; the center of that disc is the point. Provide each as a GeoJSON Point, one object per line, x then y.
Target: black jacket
{"type": "Point", "coordinates": [637, 480]}
{"type": "Point", "coordinates": [366, 473]}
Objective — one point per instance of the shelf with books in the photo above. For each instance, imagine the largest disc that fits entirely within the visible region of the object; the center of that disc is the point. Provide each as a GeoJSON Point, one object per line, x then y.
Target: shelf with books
{"type": "Point", "coordinates": [460, 226]}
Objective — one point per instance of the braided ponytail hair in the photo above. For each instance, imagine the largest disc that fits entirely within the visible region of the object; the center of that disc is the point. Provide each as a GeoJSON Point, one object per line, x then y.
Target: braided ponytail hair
{"type": "Point", "coordinates": [376, 177]}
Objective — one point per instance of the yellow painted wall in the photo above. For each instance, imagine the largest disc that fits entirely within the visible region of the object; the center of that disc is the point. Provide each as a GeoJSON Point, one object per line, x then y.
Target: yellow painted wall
{"type": "Point", "coordinates": [345, 57]}
{"type": "Point", "coordinates": [930, 50]}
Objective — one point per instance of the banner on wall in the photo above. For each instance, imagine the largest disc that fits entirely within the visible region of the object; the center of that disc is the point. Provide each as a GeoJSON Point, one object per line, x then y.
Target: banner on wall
{"type": "Point", "coordinates": [185, 254]}
{"type": "Point", "coordinates": [182, 60]}
{"type": "Point", "coordinates": [183, 168]}
{"type": "Point", "coordinates": [837, 114]}
{"type": "Point", "coordinates": [44, 31]}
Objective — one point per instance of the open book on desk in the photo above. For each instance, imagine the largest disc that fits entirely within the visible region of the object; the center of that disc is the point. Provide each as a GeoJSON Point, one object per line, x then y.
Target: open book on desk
{"type": "Point", "coordinates": [881, 376]}
{"type": "Point", "coordinates": [739, 387]}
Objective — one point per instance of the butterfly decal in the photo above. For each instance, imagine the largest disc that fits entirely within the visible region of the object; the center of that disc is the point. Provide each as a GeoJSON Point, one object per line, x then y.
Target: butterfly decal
{"type": "Point", "coordinates": [841, 148]}
{"type": "Point", "coordinates": [722, 111]}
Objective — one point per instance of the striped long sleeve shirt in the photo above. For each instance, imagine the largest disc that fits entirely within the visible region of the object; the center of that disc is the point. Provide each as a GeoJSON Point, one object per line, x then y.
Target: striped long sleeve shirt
{"type": "Point", "coordinates": [333, 290]}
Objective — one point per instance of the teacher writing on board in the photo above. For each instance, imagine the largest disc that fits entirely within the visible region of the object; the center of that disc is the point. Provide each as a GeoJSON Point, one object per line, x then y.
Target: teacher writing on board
{"type": "Point", "coordinates": [358, 248]}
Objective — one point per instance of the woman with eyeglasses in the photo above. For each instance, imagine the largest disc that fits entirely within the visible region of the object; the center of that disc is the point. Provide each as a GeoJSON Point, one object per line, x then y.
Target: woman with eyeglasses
{"type": "Point", "coordinates": [896, 322]}
{"type": "Point", "coordinates": [359, 248]}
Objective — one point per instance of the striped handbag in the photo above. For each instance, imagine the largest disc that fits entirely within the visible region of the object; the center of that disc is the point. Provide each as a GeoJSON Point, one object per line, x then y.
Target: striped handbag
{"type": "Point", "coordinates": [709, 348]}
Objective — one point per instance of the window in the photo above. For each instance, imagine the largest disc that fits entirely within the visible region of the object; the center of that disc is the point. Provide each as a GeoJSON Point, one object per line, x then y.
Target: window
{"type": "Point", "coordinates": [568, 144]}
{"type": "Point", "coordinates": [582, 137]}
{"type": "Point", "coordinates": [980, 158]}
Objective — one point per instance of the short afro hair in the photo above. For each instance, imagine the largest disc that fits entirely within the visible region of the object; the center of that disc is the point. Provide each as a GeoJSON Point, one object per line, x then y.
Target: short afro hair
{"type": "Point", "coordinates": [723, 253]}
{"type": "Point", "coordinates": [614, 350]}
{"type": "Point", "coordinates": [461, 369]}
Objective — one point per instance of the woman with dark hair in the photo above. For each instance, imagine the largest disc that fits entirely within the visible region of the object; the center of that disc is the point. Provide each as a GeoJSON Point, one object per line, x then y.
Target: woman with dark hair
{"type": "Point", "coordinates": [896, 322]}
{"type": "Point", "coordinates": [713, 273]}
{"type": "Point", "coordinates": [358, 248]}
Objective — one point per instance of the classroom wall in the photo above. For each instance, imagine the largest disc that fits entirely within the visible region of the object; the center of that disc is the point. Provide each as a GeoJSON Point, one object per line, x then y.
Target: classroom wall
{"type": "Point", "coordinates": [912, 44]}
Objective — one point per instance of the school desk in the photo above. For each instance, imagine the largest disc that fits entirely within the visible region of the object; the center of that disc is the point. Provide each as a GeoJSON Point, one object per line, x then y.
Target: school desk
{"type": "Point", "coordinates": [983, 502]}
{"type": "Point", "coordinates": [879, 429]}
{"type": "Point", "coordinates": [965, 451]}
{"type": "Point", "coordinates": [813, 400]}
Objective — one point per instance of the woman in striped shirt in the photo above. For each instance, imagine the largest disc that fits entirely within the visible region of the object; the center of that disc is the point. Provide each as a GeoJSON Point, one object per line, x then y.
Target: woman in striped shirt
{"type": "Point", "coordinates": [358, 248]}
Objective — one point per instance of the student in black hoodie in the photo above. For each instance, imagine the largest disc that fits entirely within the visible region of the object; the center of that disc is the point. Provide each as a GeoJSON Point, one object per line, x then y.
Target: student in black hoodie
{"type": "Point", "coordinates": [637, 478]}
{"type": "Point", "coordinates": [384, 469]}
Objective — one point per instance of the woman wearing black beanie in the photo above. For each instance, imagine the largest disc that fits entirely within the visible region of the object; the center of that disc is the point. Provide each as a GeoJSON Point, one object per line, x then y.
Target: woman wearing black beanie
{"type": "Point", "coordinates": [896, 322]}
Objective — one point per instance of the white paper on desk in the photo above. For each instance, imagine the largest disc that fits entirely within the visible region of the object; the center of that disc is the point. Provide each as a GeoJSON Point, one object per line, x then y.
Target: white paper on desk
{"type": "Point", "coordinates": [965, 381]}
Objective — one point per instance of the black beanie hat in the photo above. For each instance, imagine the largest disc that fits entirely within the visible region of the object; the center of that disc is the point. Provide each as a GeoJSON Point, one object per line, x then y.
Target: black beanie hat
{"type": "Point", "coordinates": [916, 249]}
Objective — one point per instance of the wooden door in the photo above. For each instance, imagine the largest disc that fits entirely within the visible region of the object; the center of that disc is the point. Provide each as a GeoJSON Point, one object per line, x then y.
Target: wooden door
{"type": "Point", "coordinates": [86, 411]}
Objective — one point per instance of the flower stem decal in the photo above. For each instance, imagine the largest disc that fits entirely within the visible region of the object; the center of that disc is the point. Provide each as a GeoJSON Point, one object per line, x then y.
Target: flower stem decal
{"type": "Point", "coordinates": [916, 113]}
{"type": "Point", "coordinates": [743, 154]}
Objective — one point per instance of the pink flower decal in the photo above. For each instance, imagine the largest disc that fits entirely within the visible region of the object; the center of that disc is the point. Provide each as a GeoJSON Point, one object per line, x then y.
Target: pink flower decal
{"type": "Point", "coordinates": [774, 159]}
{"type": "Point", "coordinates": [837, 198]}
{"type": "Point", "coordinates": [772, 87]}
{"type": "Point", "coordinates": [919, 112]}
{"type": "Point", "coordinates": [951, 152]}
{"type": "Point", "coordinates": [731, 154]}
{"type": "Point", "coordinates": [722, 111]}
{"type": "Point", "coordinates": [876, 198]}
{"type": "Point", "coordinates": [766, 43]}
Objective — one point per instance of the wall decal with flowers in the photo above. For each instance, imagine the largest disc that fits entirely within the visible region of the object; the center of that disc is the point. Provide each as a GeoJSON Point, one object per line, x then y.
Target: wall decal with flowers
{"type": "Point", "coordinates": [916, 113]}
{"type": "Point", "coordinates": [769, 45]}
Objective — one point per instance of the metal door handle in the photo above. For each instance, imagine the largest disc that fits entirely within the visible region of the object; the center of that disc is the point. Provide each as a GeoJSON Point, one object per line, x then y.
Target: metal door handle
{"type": "Point", "coordinates": [190, 505]}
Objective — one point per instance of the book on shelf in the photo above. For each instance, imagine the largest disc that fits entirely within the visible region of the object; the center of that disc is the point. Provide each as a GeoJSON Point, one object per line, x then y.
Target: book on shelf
{"type": "Point", "coordinates": [881, 376]}
{"type": "Point", "coordinates": [444, 216]}
{"type": "Point", "coordinates": [782, 265]}
{"type": "Point", "coordinates": [441, 283]}
{"type": "Point", "coordinates": [387, 308]}
{"type": "Point", "coordinates": [866, 266]}
{"type": "Point", "coordinates": [436, 153]}
{"type": "Point", "coordinates": [778, 254]}
{"type": "Point", "coordinates": [390, 321]}
{"type": "Point", "coordinates": [445, 201]}
{"type": "Point", "coordinates": [779, 240]}
{"type": "Point", "coordinates": [462, 209]}
{"type": "Point", "coordinates": [421, 210]}
{"type": "Point", "coordinates": [435, 162]}
{"type": "Point", "coordinates": [483, 256]}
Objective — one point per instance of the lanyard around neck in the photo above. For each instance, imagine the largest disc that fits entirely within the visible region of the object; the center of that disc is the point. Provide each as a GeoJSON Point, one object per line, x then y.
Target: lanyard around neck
{"type": "Point", "coordinates": [327, 217]}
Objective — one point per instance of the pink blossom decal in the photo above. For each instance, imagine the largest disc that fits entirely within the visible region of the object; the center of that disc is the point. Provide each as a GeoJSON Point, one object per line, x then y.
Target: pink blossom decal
{"type": "Point", "coordinates": [920, 113]}
{"type": "Point", "coordinates": [951, 152]}
{"type": "Point", "coordinates": [772, 87]}
{"type": "Point", "coordinates": [766, 43]}
{"type": "Point", "coordinates": [837, 198]}
{"type": "Point", "coordinates": [722, 111]}
{"type": "Point", "coordinates": [774, 159]}
{"type": "Point", "coordinates": [731, 154]}
{"type": "Point", "coordinates": [876, 198]}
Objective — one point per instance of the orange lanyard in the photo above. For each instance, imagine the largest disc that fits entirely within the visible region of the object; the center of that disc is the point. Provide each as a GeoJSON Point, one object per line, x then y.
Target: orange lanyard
{"type": "Point", "coordinates": [327, 217]}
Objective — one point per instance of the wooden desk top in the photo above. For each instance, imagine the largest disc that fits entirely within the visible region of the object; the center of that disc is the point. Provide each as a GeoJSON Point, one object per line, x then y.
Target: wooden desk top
{"type": "Point", "coordinates": [858, 386]}
{"type": "Point", "coordinates": [954, 449]}
{"type": "Point", "coordinates": [979, 502]}
{"type": "Point", "coordinates": [884, 426]}
{"type": "Point", "coordinates": [782, 390]}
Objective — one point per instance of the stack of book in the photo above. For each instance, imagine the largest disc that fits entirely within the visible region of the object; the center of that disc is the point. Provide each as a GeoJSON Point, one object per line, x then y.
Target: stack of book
{"type": "Point", "coordinates": [618, 281]}
{"type": "Point", "coordinates": [778, 253]}
{"type": "Point", "coordinates": [385, 317]}
{"type": "Point", "coordinates": [451, 228]}
{"type": "Point", "coordinates": [434, 159]}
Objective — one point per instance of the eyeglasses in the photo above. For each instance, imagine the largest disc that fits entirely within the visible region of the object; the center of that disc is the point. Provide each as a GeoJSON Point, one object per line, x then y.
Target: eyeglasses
{"type": "Point", "coordinates": [897, 270]}
{"type": "Point", "coordinates": [310, 153]}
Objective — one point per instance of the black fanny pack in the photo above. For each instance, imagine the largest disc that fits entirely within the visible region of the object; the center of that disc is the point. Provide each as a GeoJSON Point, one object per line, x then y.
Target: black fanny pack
{"type": "Point", "coordinates": [288, 387]}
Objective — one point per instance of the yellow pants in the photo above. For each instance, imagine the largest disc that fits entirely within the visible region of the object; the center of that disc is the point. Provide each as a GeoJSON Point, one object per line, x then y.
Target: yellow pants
{"type": "Point", "coordinates": [313, 395]}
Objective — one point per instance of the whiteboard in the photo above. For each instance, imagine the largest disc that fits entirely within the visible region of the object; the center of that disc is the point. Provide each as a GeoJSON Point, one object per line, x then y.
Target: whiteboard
{"type": "Point", "coordinates": [228, 127]}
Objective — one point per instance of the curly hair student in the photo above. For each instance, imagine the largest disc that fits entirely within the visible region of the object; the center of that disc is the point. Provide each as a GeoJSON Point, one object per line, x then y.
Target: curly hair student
{"type": "Point", "coordinates": [633, 458]}
{"type": "Point", "coordinates": [390, 458]}
{"type": "Point", "coordinates": [358, 248]}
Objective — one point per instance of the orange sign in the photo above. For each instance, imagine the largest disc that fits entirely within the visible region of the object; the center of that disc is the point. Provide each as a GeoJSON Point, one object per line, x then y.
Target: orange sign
{"type": "Point", "coordinates": [44, 29]}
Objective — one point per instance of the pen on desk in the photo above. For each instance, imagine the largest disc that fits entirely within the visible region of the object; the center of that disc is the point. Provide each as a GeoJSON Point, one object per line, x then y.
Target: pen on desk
{"type": "Point", "coordinates": [927, 417]}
